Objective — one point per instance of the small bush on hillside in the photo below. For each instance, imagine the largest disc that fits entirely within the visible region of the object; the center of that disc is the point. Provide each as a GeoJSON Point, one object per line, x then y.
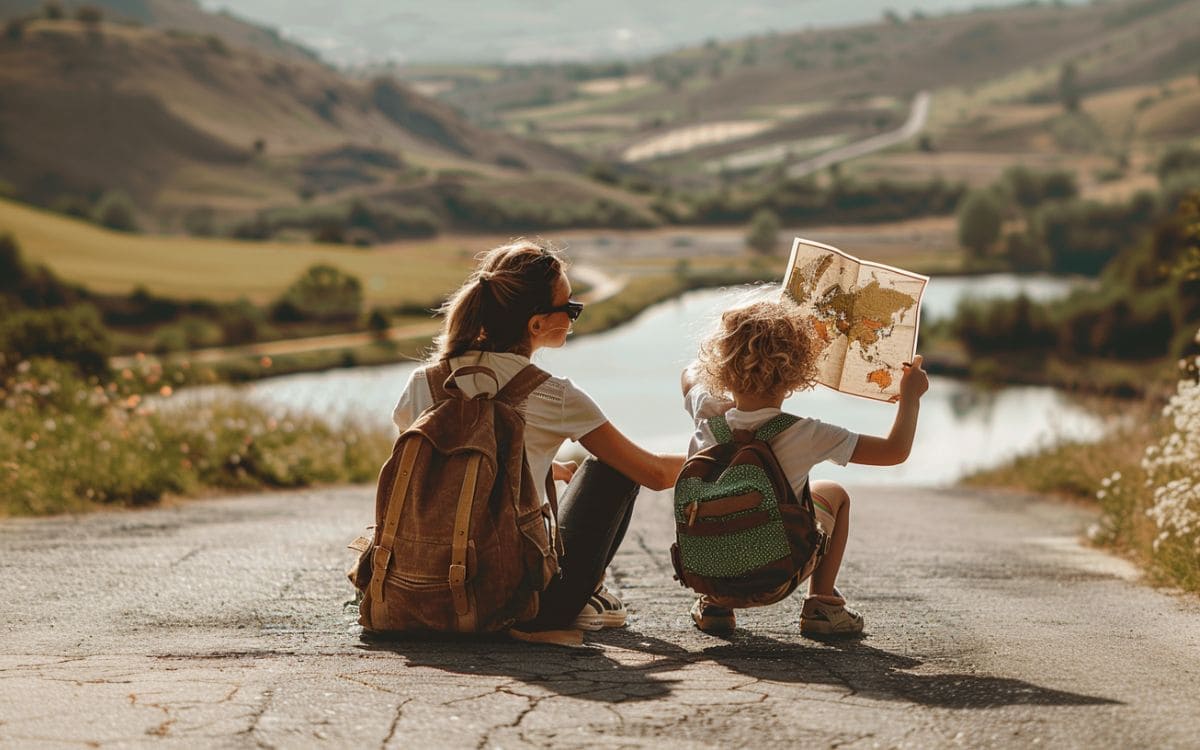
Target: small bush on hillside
{"type": "Point", "coordinates": [323, 293]}
{"type": "Point", "coordinates": [29, 286]}
{"type": "Point", "coordinates": [89, 15]}
{"type": "Point", "coordinates": [74, 335]}
{"type": "Point", "coordinates": [115, 210]}
{"type": "Point", "coordinates": [14, 29]}
{"type": "Point", "coordinates": [980, 218]}
{"type": "Point", "coordinates": [53, 10]}
{"type": "Point", "coordinates": [252, 229]}
{"type": "Point", "coordinates": [763, 234]}
{"type": "Point", "coordinates": [1176, 160]}
{"type": "Point", "coordinates": [73, 205]}
{"type": "Point", "coordinates": [200, 221]}
{"type": "Point", "coordinates": [1030, 188]}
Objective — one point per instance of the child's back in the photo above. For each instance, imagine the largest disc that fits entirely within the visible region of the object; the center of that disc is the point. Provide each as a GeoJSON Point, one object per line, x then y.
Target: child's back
{"type": "Point", "coordinates": [759, 355]}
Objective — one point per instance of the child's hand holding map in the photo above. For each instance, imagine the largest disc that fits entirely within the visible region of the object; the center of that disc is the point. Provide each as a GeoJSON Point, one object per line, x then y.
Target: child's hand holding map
{"type": "Point", "coordinates": [865, 316]}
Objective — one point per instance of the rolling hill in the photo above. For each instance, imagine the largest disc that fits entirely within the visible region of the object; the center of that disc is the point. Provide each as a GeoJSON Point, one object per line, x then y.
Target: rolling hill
{"type": "Point", "coordinates": [802, 88]}
{"type": "Point", "coordinates": [180, 120]}
{"type": "Point", "coordinates": [186, 16]}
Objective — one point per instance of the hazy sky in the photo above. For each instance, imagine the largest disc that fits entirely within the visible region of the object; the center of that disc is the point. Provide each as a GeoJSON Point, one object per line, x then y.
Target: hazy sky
{"type": "Point", "coordinates": [528, 30]}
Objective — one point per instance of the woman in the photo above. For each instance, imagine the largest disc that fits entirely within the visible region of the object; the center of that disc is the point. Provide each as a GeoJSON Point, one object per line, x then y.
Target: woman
{"type": "Point", "coordinates": [517, 301]}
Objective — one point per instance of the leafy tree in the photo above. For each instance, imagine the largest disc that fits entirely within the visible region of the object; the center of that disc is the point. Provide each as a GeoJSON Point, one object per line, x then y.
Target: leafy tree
{"type": "Point", "coordinates": [1068, 87]}
{"type": "Point", "coordinates": [89, 15]}
{"type": "Point", "coordinates": [763, 234]}
{"type": "Point", "coordinates": [115, 210]}
{"type": "Point", "coordinates": [379, 322]}
{"type": "Point", "coordinates": [979, 221]}
{"type": "Point", "coordinates": [14, 29]}
{"type": "Point", "coordinates": [53, 10]}
{"type": "Point", "coordinates": [1030, 188]}
{"type": "Point", "coordinates": [74, 335]}
{"type": "Point", "coordinates": [322, 293]}
{"type": "Point", "coordinates": [1176, 160]}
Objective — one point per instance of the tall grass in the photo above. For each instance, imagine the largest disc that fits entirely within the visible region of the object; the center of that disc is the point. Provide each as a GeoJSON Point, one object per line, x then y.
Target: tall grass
{"type": "Point", "coordinates": [1144, 477]}
{"type": "Point", "coordinates": [70, 444]}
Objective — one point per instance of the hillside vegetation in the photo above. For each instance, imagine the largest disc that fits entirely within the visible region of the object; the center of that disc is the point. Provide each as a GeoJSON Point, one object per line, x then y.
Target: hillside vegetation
{"type": "Point", "coordinates": [186, 124]}
{"type": "Point", "coordinates": [997, 77]}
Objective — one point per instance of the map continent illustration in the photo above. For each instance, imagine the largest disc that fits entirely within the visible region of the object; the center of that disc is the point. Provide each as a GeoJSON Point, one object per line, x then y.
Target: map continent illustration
{"type": "Point", "coordinates": [865, 316]}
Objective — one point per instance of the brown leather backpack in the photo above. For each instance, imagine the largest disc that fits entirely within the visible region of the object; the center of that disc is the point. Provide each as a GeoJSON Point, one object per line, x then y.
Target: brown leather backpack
{"type": "Point", "coordinates": [462, 541]}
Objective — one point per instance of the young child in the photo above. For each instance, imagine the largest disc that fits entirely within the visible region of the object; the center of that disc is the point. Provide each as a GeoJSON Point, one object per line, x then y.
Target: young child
{"type": "Point", "coordinates": [759, 355]}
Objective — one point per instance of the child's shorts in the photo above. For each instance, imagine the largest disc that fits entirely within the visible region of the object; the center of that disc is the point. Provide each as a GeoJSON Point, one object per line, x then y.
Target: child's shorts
{"type": "Point", "coordinates": [824, 513]}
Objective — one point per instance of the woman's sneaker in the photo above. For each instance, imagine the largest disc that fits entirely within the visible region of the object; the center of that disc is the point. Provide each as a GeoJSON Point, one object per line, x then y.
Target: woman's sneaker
{"type": "Point", "coordinates": [824, 618]}
{"type": "Point", "coordinates": [603, 610]}
{"type": "Point", "coordinates": [713, 619]}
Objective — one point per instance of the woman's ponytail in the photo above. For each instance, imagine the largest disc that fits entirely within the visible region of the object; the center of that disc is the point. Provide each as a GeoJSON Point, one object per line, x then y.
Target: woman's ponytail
{"type": "Point", "coordinates": [464, 319]}
{"type": "Point", "coordinates": [491, 309]}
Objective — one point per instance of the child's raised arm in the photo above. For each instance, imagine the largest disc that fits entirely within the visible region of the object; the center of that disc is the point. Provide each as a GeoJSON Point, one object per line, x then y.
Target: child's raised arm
{"type": "Point", "coordinates": [894, 449]}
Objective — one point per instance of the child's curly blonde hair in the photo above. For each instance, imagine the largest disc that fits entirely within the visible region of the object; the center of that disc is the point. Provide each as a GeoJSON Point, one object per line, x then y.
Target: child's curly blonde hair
{"type": "Point", "coordinates": [764, 347]}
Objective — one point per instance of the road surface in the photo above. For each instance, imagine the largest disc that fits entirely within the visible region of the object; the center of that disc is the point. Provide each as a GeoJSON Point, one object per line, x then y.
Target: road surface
{"type": "Point", "coordinates": [220, 623]}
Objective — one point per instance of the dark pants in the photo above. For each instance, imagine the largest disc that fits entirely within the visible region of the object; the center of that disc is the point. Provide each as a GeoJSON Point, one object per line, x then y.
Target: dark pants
{"type": "Point", "coordinates": [593, 516]}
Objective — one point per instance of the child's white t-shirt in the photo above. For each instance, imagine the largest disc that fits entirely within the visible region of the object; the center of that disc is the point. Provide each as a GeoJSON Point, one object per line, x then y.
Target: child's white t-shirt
{"type": "Point", "coordinates": [557, 409]}
{"type": "Point", "coordinates": [798, 448]}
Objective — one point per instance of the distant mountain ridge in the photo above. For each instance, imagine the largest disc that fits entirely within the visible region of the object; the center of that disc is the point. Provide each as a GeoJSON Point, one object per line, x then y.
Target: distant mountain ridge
{"type": "Point", "coordinates": [178, 15]}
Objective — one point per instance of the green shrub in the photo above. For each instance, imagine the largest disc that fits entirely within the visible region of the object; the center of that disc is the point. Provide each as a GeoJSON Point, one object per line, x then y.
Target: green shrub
{"type": "Point", "coordinates": [322, 293]}
{"type": "Point", "coordinates": [1030, 188]}
{"type": "Point", "coordinates": [762, 236]}
{"type": "Point", "coordinates": [1175, 160]}
{"type": "Point", "coordinates": [74, 335]}
{"type": "Point", "coordinates": [71, 443]}
{"type": "Point", "coordinates": [979, 221]}
{"type": "Point", "coordinates": [115, 210]}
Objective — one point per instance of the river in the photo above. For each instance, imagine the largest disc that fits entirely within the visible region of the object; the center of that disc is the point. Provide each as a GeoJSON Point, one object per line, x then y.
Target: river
{"type": "Point", "coordinates": [633, 373]}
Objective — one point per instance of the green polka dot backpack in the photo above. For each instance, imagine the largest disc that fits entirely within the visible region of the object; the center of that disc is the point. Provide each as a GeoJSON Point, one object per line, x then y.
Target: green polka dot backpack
{"type": "Point", "coordinates": [741, 532]}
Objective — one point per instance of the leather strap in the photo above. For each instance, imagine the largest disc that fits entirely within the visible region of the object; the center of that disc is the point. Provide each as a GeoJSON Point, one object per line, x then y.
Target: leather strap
{"type": "Point", "coordinates": [552, 497]}
{"type": "Point", "coordinates": [381, 557]}
{"type": "Point", "coordinates": [460, 544]}
{"type": "Point", "coordinates": [450, 384]}
{"type": "Point", "coordinates": [435, 376]}
{"type": "Point", "coordinates": [525, 382]}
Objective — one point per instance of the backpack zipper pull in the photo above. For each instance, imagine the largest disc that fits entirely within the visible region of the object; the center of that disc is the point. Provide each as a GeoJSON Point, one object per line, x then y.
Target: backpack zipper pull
{"type": "Point", "coordinates": [693, 510]}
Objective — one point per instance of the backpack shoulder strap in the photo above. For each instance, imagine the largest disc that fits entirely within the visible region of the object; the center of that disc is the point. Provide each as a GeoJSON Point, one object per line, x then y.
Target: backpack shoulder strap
{"type": "Point", "coordinates": [774, 426]}
{"type": "Point", "coordinates": [436, 375]}
{"type": "Point", "coordinates": [720, 429]}
{"type": "Point", "coordinates": [525, 382]}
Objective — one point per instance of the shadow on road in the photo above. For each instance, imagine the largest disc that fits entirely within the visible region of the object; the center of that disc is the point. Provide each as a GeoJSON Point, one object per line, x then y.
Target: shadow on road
{"type": "Point", "coordinates": [864, 670]}
{"type": "Point", "coordinates": [592, 674]}
{"type": "Point", "coordinates": [587, 673]}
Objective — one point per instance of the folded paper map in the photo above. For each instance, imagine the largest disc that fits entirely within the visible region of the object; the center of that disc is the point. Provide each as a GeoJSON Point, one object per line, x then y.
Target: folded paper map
{"type": "Point", "coordinates": [865, 316]}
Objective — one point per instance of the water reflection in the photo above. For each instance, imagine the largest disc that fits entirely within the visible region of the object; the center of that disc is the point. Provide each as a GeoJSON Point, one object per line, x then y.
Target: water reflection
{"type": "Point", "coordinates": [633, 373]}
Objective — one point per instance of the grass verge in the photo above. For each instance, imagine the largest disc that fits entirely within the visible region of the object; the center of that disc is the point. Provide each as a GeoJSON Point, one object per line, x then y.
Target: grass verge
{"type": "Point", "coordinates": [1144, 477]}
{"type": "Point", "coordinates": [74, 444]}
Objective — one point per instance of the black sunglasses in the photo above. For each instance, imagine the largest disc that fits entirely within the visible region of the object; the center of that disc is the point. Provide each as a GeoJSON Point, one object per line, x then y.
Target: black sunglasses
{"type": "Point", "coordinates": [572, 308]}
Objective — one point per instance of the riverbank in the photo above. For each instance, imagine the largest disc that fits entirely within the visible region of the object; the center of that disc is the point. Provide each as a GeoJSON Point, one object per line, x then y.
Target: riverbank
{"type": "Point", "coordinates": [1123, 380]}
{"type": "Point", "coordinates": [1142, 476]}
{"type": "Point", "coordinates": [637, 294]}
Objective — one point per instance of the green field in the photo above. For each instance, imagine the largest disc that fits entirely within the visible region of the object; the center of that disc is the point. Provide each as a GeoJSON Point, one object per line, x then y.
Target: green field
{"type": "Point", "coordinates": [223, 269]}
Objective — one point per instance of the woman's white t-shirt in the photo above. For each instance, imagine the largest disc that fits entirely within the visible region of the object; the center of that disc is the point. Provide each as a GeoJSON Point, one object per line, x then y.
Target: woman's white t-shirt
{"type": "Point", "coordinates": [798, 448]}
{"type": "Point", "coordinates": [557, 410]}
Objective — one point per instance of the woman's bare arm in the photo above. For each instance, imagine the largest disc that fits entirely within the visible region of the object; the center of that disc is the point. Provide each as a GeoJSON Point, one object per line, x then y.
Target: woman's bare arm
{"type": "Point", "coordinates": [653, 470]}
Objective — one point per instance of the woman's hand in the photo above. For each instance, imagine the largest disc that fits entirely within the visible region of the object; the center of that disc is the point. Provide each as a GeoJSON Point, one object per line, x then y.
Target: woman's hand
{"type": "Point", "coordinates": [562, 471]}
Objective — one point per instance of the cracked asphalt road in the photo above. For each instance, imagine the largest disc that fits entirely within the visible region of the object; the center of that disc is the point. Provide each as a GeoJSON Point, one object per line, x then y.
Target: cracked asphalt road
{"type": "Point", "coordinates": [220, 623]}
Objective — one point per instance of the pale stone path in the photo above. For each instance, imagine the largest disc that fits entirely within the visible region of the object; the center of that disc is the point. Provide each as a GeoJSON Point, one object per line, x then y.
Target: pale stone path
{"type": "Point", "coordinates": [220, 623]}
